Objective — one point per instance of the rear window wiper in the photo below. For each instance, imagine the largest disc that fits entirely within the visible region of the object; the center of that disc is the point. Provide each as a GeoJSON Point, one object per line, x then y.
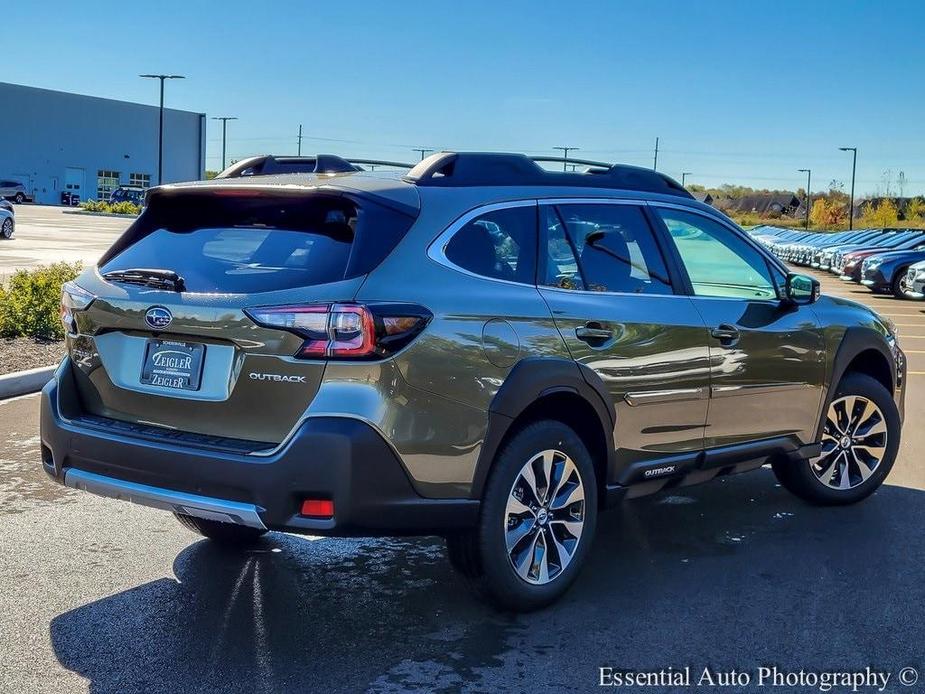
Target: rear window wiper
{"type": "Point", "coordinates": [148, 277]}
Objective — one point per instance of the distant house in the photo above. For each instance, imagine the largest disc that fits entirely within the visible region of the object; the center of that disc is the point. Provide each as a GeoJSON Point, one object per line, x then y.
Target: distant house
{"type": "Point", "coordinates": [768, 204]}
{"type": "Point", "coordinates": [875, 202]}
{"type": "Point", "coordinates": [703, 196]}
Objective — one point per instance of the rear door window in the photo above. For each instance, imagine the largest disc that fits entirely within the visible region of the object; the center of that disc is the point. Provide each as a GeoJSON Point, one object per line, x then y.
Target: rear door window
{"type": "Point", "coordinates": [615, 248]}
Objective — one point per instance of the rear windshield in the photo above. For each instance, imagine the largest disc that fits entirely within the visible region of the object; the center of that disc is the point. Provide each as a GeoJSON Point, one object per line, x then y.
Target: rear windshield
{"type": "Point", "coordinates": [246, 246]}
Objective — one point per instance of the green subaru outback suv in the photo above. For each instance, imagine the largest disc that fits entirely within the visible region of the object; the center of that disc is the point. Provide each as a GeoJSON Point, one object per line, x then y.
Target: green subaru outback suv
{"type": "Point", "coordinates": [481, 349]}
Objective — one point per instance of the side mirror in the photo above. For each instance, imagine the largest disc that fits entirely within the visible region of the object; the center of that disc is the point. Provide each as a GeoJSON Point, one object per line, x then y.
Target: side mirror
{"type": "Point", "coordinates": [802, 289]}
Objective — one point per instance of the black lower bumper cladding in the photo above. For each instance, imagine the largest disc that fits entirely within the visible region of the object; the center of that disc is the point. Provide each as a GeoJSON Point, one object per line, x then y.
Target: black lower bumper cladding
{"type": "Point", "coordinates": [337, 458]}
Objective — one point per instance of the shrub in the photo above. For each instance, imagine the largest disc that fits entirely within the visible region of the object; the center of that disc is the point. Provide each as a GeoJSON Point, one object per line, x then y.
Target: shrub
{"type": "Point", "coordinates": [30, 301]}
{"type": "Point", "coordinates": [124, 207]}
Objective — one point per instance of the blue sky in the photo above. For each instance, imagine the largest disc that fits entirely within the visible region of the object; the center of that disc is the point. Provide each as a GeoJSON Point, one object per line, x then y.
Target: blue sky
{"type": "Point", "coordinates": [739, 92]}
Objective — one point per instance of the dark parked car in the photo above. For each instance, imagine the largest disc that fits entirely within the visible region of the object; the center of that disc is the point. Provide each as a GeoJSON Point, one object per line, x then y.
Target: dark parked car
{"type": "Point", "coordinates": [481, 349]}
{"type": "Point", "coordinates": [852, 261]}
{"type": "Point", "coordinates": [132, 194]}
{"type": "Point", "coordinates": [887, 272]}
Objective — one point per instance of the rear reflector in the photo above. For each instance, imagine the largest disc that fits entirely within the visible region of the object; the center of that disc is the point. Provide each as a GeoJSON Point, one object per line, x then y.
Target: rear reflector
{"type": "Point", "coordinates": [318, 508]}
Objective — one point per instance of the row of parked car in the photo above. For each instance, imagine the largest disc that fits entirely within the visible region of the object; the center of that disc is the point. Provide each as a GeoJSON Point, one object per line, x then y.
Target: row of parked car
{"type": "Point", "coordinates": [883, 260]}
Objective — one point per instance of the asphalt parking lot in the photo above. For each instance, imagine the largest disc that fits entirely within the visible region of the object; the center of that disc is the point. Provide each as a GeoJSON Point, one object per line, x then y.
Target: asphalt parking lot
{"type": "Point", "coordinates": [103, 596]}
{"type": "Point", "coordinates": [46, 234]}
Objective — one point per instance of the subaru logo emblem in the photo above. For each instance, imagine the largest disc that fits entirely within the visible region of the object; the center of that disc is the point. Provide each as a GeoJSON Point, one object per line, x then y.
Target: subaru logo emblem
{"type": "Point", "coordinates": [158, 317]}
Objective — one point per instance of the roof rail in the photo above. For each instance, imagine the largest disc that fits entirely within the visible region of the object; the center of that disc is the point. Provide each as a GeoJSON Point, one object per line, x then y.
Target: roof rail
{"type": "Point", "coordinates": [458, 169]}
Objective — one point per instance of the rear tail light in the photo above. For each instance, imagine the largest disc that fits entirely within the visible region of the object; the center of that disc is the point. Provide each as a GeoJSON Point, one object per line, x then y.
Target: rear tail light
{"type": "Point", "coordinates": [73, 298]}
{"type": "Point", "coordinates": [346, 331]}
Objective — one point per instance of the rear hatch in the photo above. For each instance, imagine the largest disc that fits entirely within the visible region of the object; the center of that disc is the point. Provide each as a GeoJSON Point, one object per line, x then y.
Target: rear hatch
{"type": "Point", "coordinates": [197, 312]}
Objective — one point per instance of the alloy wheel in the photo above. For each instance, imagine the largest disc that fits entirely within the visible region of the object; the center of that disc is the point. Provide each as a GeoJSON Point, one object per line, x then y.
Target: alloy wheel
{"type": "Point", "coordinates": [544, 517]}
{"type": "Point", "coordinates": [7, 229]}
{"type": "Point", "coordinates": [853, 443]}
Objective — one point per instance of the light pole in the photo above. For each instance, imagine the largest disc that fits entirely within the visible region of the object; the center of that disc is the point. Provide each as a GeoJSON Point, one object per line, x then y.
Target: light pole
{"type": "Point", "coordinates": [809, 199]}
{"type": "Point", "coordinates": [684, 175]}
{"type": "Point", "coordinates": [160, 130]}
{"type": "Point", "coordinates": [655, 161]}
{"type": "Point", "coordinates": [224, 120]}
{"type": "Point", "coordinates": [565, 151]}
{"type": "Point", "coordinates": [854, 166]}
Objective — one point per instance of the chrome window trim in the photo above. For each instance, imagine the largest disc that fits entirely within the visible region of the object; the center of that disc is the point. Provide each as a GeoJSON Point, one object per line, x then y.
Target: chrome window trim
{"type": "Point", "coordinates": [592, 201]}
{"type": "Point", "coordinates": [436, 251]}
{"type": "Point", "coordinates": [591, 292]}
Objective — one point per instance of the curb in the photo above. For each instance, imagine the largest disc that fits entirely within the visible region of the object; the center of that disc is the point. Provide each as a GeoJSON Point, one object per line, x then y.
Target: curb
{"type": "Point", "coordinates": [25, 382]}
{"type": "Point", "coordinates": [84, 213]}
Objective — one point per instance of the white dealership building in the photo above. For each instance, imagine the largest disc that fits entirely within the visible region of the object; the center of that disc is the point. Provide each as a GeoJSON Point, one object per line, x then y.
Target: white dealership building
{"type": "Point", "coordinates": [54, 142]}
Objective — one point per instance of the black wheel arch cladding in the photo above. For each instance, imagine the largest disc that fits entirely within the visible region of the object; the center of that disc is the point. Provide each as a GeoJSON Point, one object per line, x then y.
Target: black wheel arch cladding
{"type": "Point", "coordinates": [856, 341]}
{"type": "Point", "coordinates": [531, 380]}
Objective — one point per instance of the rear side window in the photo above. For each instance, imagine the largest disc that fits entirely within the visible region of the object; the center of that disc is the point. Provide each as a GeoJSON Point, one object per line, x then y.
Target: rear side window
{"type": "Point", "coordinates": [499, 244]}
{"type": "Point", "coordinates": [229, 245]}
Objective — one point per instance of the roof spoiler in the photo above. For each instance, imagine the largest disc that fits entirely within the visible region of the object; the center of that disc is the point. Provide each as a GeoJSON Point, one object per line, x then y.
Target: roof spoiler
{"type": "Point", "coordinates": [270, 164]}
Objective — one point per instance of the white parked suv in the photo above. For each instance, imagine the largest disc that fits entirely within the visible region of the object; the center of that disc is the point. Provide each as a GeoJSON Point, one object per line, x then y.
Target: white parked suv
{"type": "Point", "coordinates": [915, 281]}
{"type": "Point", "coordinates": [14, 190]}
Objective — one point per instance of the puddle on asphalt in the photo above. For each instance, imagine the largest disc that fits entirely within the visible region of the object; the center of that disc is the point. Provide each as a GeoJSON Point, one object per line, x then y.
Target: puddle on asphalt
{"type": "Point", "coordinates": [23, 483]}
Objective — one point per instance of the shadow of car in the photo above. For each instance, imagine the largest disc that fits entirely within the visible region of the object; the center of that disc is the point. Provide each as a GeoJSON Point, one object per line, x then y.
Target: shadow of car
{"type": "Point", "coordinates": [767, 581]}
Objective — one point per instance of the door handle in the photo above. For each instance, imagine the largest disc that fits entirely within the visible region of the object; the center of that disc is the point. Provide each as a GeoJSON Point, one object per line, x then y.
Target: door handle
{"type": "Point", "coordinates": [727, 334]}
{"type": "Point", "coordinates": [593, 332]}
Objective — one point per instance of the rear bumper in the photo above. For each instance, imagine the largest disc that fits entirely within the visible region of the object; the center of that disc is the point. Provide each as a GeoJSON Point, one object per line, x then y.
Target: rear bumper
{"type": "Point", "coordinates": [336, 458]}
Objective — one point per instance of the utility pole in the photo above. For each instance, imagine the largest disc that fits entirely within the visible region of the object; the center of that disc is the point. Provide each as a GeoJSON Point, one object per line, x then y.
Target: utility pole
{"type": "Point", "coordinates": [160, 130]}
{"type": "Point", "coordinates": [565, 151]}
{"type": "Point", "coordinates": [684, 175]}
{"type": "Point", "coordinates": [224, 120]}
{"type": "Point", "coordinates": [655, 163]}
{"type": "Point", "coordinates": [854, 166]}
{"type": "Point", "coordinates": [422, 150]}
{"type": "Point", "coordinates": [300, 140]}
{"type": "Point", "coordinates": [809, 197]}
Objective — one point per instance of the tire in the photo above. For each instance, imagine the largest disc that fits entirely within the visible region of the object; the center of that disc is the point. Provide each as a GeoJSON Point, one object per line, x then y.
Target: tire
{"type": "Point", "coordinates": [567, 521]}
{"type": "Point", "coordinates": [227, 534]}
{"type": "Point", "coordinates": [20, 198]}
{"type": "Point", "coordinates": [838, 476]}
{"type": "Point", "coordinates": [6, 229]}
{"type": "Point", "coordinates": [898, 285]}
